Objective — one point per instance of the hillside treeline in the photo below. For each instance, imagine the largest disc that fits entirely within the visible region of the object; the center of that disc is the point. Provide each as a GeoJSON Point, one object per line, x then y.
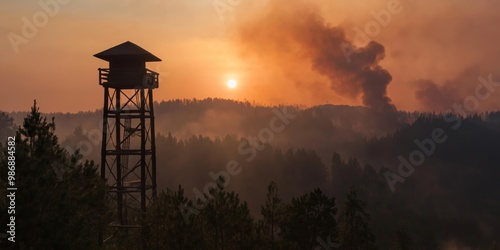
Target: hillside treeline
{"type": "Point", "coordinates": [446, 199]}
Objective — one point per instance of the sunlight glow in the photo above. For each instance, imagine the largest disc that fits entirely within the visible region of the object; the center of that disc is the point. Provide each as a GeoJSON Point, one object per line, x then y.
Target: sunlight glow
{"type": "Point", "coordinates": [232, 84]}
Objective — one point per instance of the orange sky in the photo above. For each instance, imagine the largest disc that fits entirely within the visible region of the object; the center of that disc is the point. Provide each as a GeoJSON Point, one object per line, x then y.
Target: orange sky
{"type": "Point", "coordinates": [201, 51]}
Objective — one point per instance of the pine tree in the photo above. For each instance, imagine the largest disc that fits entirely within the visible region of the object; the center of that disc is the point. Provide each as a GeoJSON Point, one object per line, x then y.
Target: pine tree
{"type": "Point", "coordinates": [308, 218]}
{"type": "Point", "coordinates": [403, 239]}
{"type": "Point", "coordinates": [60, 201]}
{"type": "Point", "coordinates": [168, 229]}
{"type": "Point", "coordinates": [228, 224]}
{"type": "Point", "coordinates": [354, 232]}
{"type": "Point", "coordinates": [271, 213]}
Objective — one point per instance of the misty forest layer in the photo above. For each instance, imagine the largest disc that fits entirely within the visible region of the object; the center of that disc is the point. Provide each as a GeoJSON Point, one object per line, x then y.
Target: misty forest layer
{"type": "Point", "coordinates": [427, 181]}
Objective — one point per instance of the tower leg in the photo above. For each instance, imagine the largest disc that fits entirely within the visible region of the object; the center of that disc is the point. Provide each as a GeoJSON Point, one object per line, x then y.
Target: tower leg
{"type": "Point", "coordinates": [103, 147]}
{"type": "Point", "coordinates": [119, 183]}
{"type": "Point", "coordinates": [153, 141]}
{"type": "Point", "coordinates": [143, 167]}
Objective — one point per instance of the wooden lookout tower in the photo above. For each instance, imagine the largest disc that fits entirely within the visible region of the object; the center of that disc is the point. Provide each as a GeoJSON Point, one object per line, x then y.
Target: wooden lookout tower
{"type": "Point", "coordinates": [128, 156]}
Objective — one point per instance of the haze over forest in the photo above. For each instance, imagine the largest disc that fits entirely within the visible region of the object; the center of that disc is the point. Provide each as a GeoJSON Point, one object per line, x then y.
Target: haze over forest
{"type": "Point", "coordinates": [447, 202]}
{"type": "Point", "coordinates": [362, 124]}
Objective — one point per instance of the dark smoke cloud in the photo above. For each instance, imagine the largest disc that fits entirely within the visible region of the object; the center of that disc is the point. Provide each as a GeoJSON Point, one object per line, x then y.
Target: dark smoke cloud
{"type": "Point", "coordinates": [434, 96]}
{"type": "Point", "coordinates": [296, 31]}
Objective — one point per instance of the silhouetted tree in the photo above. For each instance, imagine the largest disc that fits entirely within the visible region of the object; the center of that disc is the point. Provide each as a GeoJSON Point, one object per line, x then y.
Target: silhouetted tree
{"type": "Point", "coordinates": [307, 218]}
{"type": "Point", "coordinates": [228, 224]}
{"type": "Point", "coordinates": [60, 202]}
{"type": "Point", "coordinates": [354, 232]}
{"type": "Point", "coordinates": [167, 225]}
{"type": "Point", "coordinates": [403, 238]}
{"type": "Point", "coordinates": [272, 215]}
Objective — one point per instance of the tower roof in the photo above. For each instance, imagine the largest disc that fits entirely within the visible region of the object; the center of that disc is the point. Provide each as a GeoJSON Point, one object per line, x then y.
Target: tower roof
{"type": "Point", "coordinates": [127, 50]}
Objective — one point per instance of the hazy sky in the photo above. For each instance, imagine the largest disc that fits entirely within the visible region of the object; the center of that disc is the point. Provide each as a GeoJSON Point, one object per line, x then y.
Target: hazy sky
{"type": "Point", "coordinates": [437, 49]}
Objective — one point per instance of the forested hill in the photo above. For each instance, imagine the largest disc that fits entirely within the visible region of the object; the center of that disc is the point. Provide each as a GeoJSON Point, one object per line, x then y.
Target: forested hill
{"type": "Point", "coordinates": [333, 125]}
{"type": "Point", "coordinates": [437, 174]}
{"type": "Point", "coordinates": [218, 117]}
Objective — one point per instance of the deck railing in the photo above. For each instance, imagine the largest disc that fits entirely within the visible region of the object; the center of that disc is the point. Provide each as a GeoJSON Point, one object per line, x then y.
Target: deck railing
{"type": "Point", "coordinates": [128, 78]}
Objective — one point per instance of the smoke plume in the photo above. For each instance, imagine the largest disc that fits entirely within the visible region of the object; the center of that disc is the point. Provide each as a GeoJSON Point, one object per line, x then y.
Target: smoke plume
{"type": "Point", "coordinates": [434, 96]}
{"type": "Point", "coordinates": [295, 30]}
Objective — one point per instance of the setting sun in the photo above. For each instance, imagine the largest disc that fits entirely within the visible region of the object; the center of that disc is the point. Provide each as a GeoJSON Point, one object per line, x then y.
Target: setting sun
{"type": "Point", "coordinates": [232, 84]}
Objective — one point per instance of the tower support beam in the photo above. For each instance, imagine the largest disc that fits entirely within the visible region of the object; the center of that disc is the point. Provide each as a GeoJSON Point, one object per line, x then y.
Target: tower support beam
{"type": "Point", "coordinates": [128, 154]}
